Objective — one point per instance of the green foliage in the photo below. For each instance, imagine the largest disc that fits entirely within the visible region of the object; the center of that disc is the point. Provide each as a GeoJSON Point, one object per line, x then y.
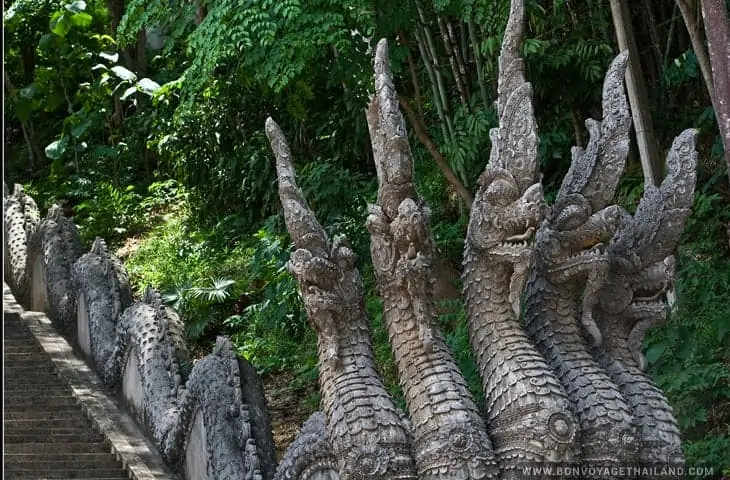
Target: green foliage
{"type": "Point", "coordinates": [272, 331]}
{"type": "Point", "coordinates": [110, 213]}
{"type": "Point", "coordinates": [172, 152]}
{"type": "Point", "coordinates": [689, 354]}
{"type": "Point", "coordinates": [202, 307]}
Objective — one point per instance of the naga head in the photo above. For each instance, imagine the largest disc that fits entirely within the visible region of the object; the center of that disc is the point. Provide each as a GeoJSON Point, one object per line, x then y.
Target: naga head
{"type": "Point", "coordinates": [503, 215]}
{"type": "Point", "coordinates": [574, 237]}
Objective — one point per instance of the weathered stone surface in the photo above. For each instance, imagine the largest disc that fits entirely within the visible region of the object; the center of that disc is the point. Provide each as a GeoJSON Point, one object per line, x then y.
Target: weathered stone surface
{"type": "Point", "coordinates": [633, 299]}
{"type": "Point", "coordinates": [21, 219]}
{"type": "Point", "coordinates": [366, 434]}
{"type": "Point", "coordinates": [139, 348]}
{"type": "Point", "coordinates": [571, 268]}
{"type": "Point", "coordinates": [528, 414]}
{"type": "Point", "coordinates": [103, 294]}
{"type": "Point", "coordinates": [52, 250]}
{"type": "Point", "coordinates": [213, 392]}
{"type": "Point", "coordinates": [145, 332]}
{"type": "Point", "coordinates": [569, 387]}
{"type": "Point", "coordinates": [310, 457]}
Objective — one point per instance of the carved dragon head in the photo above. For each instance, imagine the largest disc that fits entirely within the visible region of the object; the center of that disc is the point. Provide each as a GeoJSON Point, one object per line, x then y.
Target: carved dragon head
{"type": "Point", "coordinates": [504, 215]}
{"type": "Point", "coordinates": [642, 265]}
{"type": "Point", "coordinates": [572, 239]}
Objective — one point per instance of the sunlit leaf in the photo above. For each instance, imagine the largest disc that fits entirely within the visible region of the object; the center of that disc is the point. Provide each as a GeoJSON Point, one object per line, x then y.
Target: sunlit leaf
{"type": "Point", "coordinates": [112, 57]}
{"type": "Point", "coordinates": [60, 24]}
{"type": "Point", "coordinates": [123, 73]}
{"type": "Point", "coordinates": [81, 19]}
{"type": "Point", "coordinates": [55, 149]}
{"type": "Point", "coordinates": [77, 6]}
{"type": "Point", "coordinates": [148, 86]}
{"type": "Point", "coordinates": [128, 92]}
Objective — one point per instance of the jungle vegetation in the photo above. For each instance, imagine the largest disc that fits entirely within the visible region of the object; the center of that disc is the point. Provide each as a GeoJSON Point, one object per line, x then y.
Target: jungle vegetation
{"type": "Point", "coordinates": [145, 119]}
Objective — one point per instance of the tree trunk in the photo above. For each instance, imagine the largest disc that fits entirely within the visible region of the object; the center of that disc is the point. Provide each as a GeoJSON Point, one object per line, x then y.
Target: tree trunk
{"type": "Point", "coordinates": [718, 44]}
{"type": "Point", "coordinates": [420, 130]}
{"type": "Point", "coordinates": [200, 12]}
{"type": "Point", "coordinates": [687, 8]}
{"type": "Point", "coordinates": [637, 95]}
{"type": "Point", "coordinates": [651, 26]}
{"type": "Point", "coordinates": [24, 125]}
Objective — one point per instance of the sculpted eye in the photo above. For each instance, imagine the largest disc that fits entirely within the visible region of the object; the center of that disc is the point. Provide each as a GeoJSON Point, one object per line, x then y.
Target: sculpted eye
{"type": "Point", "coordinates": [502, 192]}
{"type": "Point", "coordinates": [571, 217]}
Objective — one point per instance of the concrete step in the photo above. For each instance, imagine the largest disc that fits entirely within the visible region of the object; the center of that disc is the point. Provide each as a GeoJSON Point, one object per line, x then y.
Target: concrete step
{"type": "Point", "coordinates": [60, 460]}
{"type": "Point", "coordinates": [46, 471]}
{"type": "Point", "coordinates": [46, 434]}
{"type": "Point", "coordinates": [16, 405]}
{"type": "Point", "coordinates": [80, 422]}
{"type": "Point", "coordinates": [69, 413]}
{"type": "Point", "coordinates": [44, 449]}
{"type": "Point", "coordinates": [57, 438]}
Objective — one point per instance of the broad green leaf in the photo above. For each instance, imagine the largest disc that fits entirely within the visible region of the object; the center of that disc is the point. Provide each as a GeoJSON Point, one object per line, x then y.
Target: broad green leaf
{"type": "Point", "coordinates": [148, 86]}
{"type": "Point", "coordinates": [77, 6]}
{"type": "Point", "coordinates": [655, 352]}
{"type": "Point", "coordinates": [123, 73]}
{"type": "Point", "coordinates": [60, 24]}
{"type": "Point", "coordinates": [46, 41]}
{"type": "Point", "coordinates": [81, 19]}
{"type": "Point", "coordinates": [55, 149]}
{"type": "Point", "coordinates": [81, 128]}
{"type": "Point", "coordinates": [112, 57]}
{"type": "Point", "coordinates": [128, 92]}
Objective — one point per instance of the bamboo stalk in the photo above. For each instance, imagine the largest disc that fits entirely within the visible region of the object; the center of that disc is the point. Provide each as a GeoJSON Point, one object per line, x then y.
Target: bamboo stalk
{"type": "Point", "coordinates": [459, 58]}
{"type": "Point", "coordinates": [670, 36]}
{"type": "Point", "coordinates": [695, 37]}
{"type": "Point", "coordinates": [637, 95]}
{"type": "Point", "coordinates": [432, 78]}
{"type": "Point", "coordinates": [654, 34]}
{"type": "Point", "coordinates": [478, 61]}
{"type": "Point", "coordinates": [428, 37]}
{"type": "Point", "coordinates": [452, 62]}
{"type": "Point", "coordinates": [412, 69]}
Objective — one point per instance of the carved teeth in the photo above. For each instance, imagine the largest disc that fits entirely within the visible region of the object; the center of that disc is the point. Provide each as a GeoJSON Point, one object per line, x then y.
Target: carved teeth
{"type": "Point", "coordinates": [522, 237]}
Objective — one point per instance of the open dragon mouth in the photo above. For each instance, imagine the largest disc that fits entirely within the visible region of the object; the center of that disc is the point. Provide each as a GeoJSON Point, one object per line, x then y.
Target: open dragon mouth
{"type": "Point", "coordinates": [647, 294]}
{"type": "Point", "coordinates": [522, 238]}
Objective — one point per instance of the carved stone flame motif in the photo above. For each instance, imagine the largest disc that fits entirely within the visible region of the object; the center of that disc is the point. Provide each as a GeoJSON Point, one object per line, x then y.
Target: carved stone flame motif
{"type": "Point", "coordinates": [563, 384]}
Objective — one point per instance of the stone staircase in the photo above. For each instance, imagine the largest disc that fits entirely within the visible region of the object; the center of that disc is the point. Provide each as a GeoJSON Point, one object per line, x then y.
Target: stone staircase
{"type": "Point", "coordinates": [46, 432]}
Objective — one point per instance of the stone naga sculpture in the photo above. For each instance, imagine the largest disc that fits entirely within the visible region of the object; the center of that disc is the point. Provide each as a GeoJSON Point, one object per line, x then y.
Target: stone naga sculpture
{"type": "Point", "coordinates": [528, 414]}
{"type": "Point", "coordinates": [52, 250]}
{"type": "Point", "coordinates": [570, 269]}
{"type": "Point", "coordinates": [367, 436]}
{"type": "Point", "coordinates": [632, 300]}
{"type": "Point", "coordinates": [565, 384]}
{"type": "Point", "coordinates": [449, 435]}
{"type": "Point", "coordinates": [212, 425]}
{"type": "Point", "coordinates": [21, 218]}
{"type": "Point", "coordinates": [104, 293]}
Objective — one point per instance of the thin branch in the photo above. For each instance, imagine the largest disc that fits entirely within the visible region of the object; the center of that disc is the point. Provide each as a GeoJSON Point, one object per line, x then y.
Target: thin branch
{"type": "Point", "coordinates": [420, 130]}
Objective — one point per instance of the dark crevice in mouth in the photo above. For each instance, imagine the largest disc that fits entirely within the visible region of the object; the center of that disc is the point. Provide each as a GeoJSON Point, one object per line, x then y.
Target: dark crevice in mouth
{"type": "Point", "coordinates": [650, 294]}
